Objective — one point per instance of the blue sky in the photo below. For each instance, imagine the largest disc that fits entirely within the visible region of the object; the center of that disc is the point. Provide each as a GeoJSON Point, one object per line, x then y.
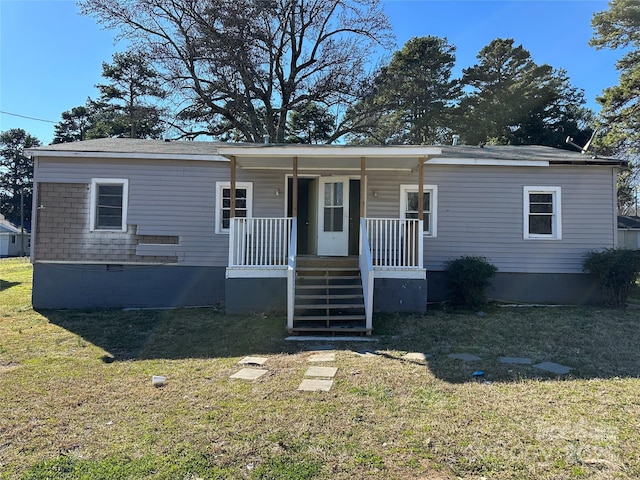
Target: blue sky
{"type": "Point", "coordinates": [51, 57]}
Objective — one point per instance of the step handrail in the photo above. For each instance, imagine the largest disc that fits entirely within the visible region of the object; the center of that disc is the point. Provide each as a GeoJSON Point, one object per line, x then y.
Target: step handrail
{"type": "Point", "coordinates": [291, 272]}
{"type": "Point", "coordinates": [367, 273]}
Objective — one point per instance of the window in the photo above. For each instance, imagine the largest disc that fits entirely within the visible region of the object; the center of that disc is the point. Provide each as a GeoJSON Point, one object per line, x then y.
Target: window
{"type": "Point", "coordinates": [333, 207]}
{"type": "Point", "coordinates": [13, 238]}
{"type": "Point", "coordinates": [542, 213]}
{"type": "Point", "coordinates": [409, 206]}
{"type": "Point", "coordinates": [109, 201]}
{"type": "Point", "coordinates": [244, 200]}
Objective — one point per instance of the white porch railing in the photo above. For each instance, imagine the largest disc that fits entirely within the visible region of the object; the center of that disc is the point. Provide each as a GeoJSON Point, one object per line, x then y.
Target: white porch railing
{"type": "Point", "coordinates": [291, 272]}
{"type": "Point", "coordinates": [259, 242]}
{"type": "Point", "coordinates": [367, 274]}
{"type": "Point", "coordinates": [395, 242]}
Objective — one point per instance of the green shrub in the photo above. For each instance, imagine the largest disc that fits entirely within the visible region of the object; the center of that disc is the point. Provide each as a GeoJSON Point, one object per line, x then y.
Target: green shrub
{"type": "Point", "coordinates": [616, 270]}
{"type": "Point", "coordinates": [469, 277]}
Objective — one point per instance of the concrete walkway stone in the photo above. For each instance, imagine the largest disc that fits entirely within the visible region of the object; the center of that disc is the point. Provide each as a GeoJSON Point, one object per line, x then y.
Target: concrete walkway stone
{"type": "Point", "coordinates": [516, 360]}
{"type": "Point", "coordinates": [314, 385]}
{"type": "Point", "coordinates": [327, 372]}
{"type": "Point", "coordinates": [367, 353]}
{"type": "Point", "coordinates": [322, 357]}
{"type": "Point", "coordinates": [553, 368]}
{"type": "Point", "coordinates": [253, 361]}
{"type": "Point", "coordinates": [416, 356]}
{"type": "Point", "coordinates": [304, 338]}
{"type": "Point", "coordinates": [465, 357]}
{"type": "Point", "coordinates": [249, 374]}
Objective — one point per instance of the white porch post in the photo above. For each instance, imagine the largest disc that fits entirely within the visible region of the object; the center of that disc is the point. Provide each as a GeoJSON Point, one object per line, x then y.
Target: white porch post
{"type": "Point", "coordinates": [232, 210]}
{"type": "Point", "coordinates": [419, 236]}
{"type": "Point", "coordinates": [293, 247]}
{"type": "Point", "coordinates": [294, 195]}
{"type": "Point", "coordinates": [232, 163]}
{"type": "Point", "coordinates": [363, 189]}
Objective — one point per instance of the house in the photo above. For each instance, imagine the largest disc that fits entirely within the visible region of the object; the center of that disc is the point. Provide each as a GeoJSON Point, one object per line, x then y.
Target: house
{"type": "Point", "coordinates": [13, 241]}
{"type": "Point", "coordinates": [629, 232]}
{"type": "Point", "coordinates": [327, 233]}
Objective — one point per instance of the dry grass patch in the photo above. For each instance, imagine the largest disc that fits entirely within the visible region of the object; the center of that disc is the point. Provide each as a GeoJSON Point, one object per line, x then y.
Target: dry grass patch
{"type": "Point", "coordinates": [77, 399]}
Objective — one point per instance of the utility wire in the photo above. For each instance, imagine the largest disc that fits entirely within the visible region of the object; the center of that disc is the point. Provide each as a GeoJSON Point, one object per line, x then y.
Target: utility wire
{"type": "Point", "coordinates": [28, 118]}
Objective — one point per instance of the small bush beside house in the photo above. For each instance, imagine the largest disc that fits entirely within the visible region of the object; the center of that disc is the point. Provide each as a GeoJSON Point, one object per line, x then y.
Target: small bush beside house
{"type": "Point", "coordinates": [616, 270]}
{"type": "Point", "coordinates": [469, 277]}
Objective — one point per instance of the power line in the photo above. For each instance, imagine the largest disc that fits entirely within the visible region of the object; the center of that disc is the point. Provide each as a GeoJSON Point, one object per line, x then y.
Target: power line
{"type": "Point", "coordinates": [28, 118]}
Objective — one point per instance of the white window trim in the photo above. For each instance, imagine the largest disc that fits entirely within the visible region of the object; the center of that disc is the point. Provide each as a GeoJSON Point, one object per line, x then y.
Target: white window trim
{"type": "Point", "coordinates": [219, 186]}
{"type": "Point", "coordinates": [94, 198]}
{"type": "Point", "coordinates": [433, 189]}
{"type": "Point", "coordinates": [556, 222]}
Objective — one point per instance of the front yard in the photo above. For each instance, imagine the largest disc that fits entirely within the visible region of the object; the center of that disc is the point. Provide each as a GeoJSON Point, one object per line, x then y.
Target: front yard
{"type": "Point", "coordinates": [77, 400]}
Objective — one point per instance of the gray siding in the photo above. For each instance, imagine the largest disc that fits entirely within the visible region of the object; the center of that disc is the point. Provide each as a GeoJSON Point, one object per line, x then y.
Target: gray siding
{"type": "Point", "coordinates": [480, 208]}
{"type": "Point", "coordinates": [480, 212]}
{"type": "Point", "coordinates": [172, 198]}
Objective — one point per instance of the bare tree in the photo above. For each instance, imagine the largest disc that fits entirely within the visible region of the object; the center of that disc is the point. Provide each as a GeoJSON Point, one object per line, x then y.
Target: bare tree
{"type": "Point", "coordinates": [238, 67]}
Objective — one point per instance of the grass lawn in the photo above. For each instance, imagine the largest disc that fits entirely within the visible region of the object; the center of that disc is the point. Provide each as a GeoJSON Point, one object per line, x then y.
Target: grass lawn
{"type": "Point", "coordinates": [76, 399]}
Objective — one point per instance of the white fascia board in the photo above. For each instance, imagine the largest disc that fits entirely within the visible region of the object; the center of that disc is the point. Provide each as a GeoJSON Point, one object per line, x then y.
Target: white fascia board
{"type": "Point", "coordinates": [487, 162]}
{"type": "Point", "coordinates": [324, 151]}
{"type": "Point", "coordinates": [125, 155]}
{"type": "Point", "coordinates": [332, 169]}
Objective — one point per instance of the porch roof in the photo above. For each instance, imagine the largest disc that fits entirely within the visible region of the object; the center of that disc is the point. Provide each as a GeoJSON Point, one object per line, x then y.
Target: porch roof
{"type": "Point", "coordinates": [328, 157]}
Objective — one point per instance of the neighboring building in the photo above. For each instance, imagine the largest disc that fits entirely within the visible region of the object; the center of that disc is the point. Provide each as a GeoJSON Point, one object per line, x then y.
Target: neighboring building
{"type": "Point", "coordinates": [139, 223]}
{"type": "Point", "coordinates": [13, 242]}
{"type": "Point", "coordinates": [629, 232]}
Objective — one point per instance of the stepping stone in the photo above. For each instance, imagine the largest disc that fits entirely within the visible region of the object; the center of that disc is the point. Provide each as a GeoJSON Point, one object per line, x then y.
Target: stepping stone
{"type": "Point", "coordinates": [253, 361]}
{"type": "Point", "coordinates": [465, 357]}
{"type": "Point", "coordinates": [322, 357]}
{"type": "Point", "coordinates": [553, 368]}
{"type": "Point", "coordinates": [516, 360]}
{"type": "Point", "coordinates": [367, 353]}
{"type": "Point", "coordinates": [416, 356]}
{"type": "Point", "coordinates": [303, 338]}
{"type": "Point", "coordinates": [249, 373]}
{"type": "Point", "coordinates": [328, 372]}
{"type": "Point", "coordinates": [315, 385]}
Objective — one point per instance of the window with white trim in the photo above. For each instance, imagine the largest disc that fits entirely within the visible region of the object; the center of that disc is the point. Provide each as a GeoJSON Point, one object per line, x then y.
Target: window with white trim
{"type": "Point", "coordinates": [542, 213]}
{"type": "Point", "coordinates": [409, 206]}
{"type": "Point", "coordinates": [244, 203]}
{"type": "Point", "coordinates": [109, 203]}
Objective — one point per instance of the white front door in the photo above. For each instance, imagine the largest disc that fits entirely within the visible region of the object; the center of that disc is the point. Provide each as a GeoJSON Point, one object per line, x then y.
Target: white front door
{"type": "Point", "coordinates": [333, 216]}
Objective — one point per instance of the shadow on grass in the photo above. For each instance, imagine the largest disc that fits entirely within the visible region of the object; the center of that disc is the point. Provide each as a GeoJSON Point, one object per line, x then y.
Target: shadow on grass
{"type": "Point", "coordinates": [173, 334]}
{"type": "Point", "coordinates": [593, 342]}
{"type": "Point", "coordinates": [4, 285]}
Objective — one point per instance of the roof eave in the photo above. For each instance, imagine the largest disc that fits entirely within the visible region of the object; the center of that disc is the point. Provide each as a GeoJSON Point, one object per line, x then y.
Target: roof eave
{"type": "Point", "coordinates": [124, 155]}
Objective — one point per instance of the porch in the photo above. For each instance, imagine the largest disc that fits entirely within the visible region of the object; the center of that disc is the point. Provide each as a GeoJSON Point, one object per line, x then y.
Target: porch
{"type": "Point", "coordinates": [331, 294]}
{"type": "Point", "coordinates": [326, 246]}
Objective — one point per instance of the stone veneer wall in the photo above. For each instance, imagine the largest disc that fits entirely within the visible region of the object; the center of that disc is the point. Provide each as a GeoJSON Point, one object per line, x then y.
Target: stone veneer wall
{"type": "Point", "coordinates": [62, 231]}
